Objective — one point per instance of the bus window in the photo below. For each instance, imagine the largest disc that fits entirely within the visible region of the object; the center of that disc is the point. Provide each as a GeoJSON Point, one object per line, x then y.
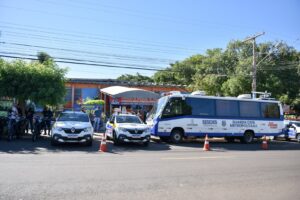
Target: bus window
{"type": "Point", "coordinates": [202, 107]}
{"type": "Point", "coordinates": [226, 108]}
{"type": "Point", "coordinates": [176, 107]}
{"type": "Point", "coordinates": [270, 110]}
{"type": "Point", "coordinates": [249, 109]}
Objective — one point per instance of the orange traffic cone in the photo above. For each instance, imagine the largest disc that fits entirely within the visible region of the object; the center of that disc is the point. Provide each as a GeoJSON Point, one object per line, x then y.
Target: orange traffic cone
{"type": "Point", "coordinates": [264, 144]}
{"type": "Point", "coordinates": [206, 144]}
{"type": "Point", "coordinates": [103, 147]}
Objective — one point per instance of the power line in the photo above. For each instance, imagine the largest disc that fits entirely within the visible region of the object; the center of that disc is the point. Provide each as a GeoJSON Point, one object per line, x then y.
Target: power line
{"type": "Point", "coordinates": [87, 52]}
{"type": "Point", "coordinates": [79, 60]}
{"type": "Point", "coordinates": [83, 63]}
{"type": "Point", "coordinates": [90, 43]}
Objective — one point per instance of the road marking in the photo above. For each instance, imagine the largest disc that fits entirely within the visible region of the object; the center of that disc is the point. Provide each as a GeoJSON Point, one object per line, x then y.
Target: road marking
{"type": "Point", "coordinates": [196, 158]}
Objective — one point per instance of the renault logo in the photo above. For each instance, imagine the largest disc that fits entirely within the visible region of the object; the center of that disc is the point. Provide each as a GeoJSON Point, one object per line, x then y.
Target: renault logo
{"type": "Point", "coordinates": [136, 131]}
{"type": "Point", "coordinates": [73, 130]}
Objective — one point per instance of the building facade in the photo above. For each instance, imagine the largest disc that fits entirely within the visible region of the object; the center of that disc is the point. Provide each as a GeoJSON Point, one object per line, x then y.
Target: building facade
{"type": "Point", "coordinates": [79, 89]}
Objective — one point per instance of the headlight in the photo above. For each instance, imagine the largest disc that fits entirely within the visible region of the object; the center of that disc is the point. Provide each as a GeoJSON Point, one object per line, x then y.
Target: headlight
{"type": "Point", "coordinates": [148, 130]}
{"type": "Point", "coordinates": [55, 128]}
{"type": "Point", "coordinates": [89, 129]}
{"type": "Point", "coordinates": [121, 129]}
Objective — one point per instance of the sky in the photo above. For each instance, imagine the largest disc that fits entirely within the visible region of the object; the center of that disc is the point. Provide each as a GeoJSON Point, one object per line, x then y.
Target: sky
{"type": "Point", "coordinates": [116, 37]}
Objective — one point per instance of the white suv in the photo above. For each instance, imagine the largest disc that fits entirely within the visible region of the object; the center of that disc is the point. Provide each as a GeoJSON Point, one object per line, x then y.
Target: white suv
{"type": "Point", "coordinates": [125, 128]}
{"type": "Point", "coordinates": [72, 127]}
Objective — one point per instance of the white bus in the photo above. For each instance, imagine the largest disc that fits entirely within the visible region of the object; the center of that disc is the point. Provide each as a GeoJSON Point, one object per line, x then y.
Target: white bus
{"type": "Point", "coordinates": [178, 116]}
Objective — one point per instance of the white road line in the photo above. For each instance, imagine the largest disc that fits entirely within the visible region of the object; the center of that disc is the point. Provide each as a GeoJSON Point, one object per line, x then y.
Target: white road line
{"type": "Point", "coordinates": [196, 158]}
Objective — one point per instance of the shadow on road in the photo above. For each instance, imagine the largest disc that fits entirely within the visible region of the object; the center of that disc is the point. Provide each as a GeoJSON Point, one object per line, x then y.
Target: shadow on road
{"type": "Point", "coordinates": [221, 145]}
{"type": "Point", "coordinates": [42, 145]}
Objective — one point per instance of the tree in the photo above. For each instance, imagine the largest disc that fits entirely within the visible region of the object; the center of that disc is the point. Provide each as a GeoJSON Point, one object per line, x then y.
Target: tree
{"type": "Point", "coordinates": [165, 76]}
{"type": "Point", "coordinates": [40, 83]}
{"type": "Point", "coordinates": [135, 78]}
{"type": "Point", "coordinates": [228, 72]}
{"type": "Point", "coordinates": [44, 57]}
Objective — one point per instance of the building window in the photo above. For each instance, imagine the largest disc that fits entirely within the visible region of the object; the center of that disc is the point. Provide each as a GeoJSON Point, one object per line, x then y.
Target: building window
{"type": "Point", "coordinates": [68, 96]}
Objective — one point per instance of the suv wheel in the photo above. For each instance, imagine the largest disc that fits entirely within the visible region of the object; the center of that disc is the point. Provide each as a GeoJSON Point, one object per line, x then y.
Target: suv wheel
{"type": "Point", "coordinates": [115, 139]}
{"type": "Point", "coordinates": [53, 142]}
{"type": "Point", "coordinates": [298, 137]}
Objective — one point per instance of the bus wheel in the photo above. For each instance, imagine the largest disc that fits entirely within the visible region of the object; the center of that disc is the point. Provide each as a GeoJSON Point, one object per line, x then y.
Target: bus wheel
{"type": "Point", "coordinates": [248, 137]}
{"type": "Point", "coordinates": [176, 136]}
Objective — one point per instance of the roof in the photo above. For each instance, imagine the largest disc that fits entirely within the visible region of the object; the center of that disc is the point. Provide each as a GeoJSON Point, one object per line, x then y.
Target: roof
{"type": "Point", "coordinates": [222, 98]}
{"type": "Point", "coordinates": [125, 92]}
{"type": "Point", "coordinates": [120, 82]}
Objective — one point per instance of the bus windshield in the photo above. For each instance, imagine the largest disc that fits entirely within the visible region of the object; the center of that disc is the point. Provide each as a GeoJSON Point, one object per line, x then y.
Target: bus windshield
{"type": "Point", "coordinates": [157, 108]}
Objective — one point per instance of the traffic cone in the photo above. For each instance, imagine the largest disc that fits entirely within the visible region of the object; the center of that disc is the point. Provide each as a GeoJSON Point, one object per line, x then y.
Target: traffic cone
{"type": "Point", "coordinates": [103, 147]}
{"type": "Point", "coordinates": [206, 144]}
{"type": "Point", "coordinates": [264, 144]}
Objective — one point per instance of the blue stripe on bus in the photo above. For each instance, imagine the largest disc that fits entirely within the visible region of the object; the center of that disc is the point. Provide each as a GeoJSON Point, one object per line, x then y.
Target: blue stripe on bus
{"type": "Point", "coordinates": [218, 134]}
{"type": "Point", "coordinates": [221, 118]}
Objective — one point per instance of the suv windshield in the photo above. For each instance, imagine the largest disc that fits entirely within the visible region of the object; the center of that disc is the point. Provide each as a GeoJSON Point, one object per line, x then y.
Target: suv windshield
{"type": "Point", "coordinates": [128, 119]}
{"type": "Point", "coordinates": [296, 123]}
{"type": "Point", "coordinates": [78, 117]}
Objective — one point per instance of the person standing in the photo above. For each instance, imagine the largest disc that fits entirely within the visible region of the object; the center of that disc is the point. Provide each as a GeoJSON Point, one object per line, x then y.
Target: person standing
{"type": "Point", "coordinates": [29, 118]}
{"type": "Point", "coordinates": [12, 116]}
{"type": "Point", "coordinates": [47, 113]}
{"type": "Point", "coordinates": [97, 119]}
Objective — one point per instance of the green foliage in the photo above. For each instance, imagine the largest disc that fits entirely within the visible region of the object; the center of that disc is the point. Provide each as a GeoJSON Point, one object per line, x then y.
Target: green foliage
{"type": "Point", "coordinates": [166, 76]}
{"type": "Point", "coordinates": [228, 72]}
{"type": "Point", "coordinates": [135, 78]}
{"type": "Point", "coordinates": [94, 102]}
{"type": "Point", "coordinates": [44, 57]}
{"type": "Point", "coordinates": [40, 83]}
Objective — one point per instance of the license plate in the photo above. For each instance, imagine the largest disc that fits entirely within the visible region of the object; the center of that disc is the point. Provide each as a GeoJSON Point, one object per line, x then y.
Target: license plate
{"type": "Point", "coordinates": [135, 136]}
{"type": "Point", "coordinates": [72, 136]}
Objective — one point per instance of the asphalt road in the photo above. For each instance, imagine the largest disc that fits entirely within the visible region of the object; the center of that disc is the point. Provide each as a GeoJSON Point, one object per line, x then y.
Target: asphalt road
{"type": "Point", "coordinates": [161, 171]}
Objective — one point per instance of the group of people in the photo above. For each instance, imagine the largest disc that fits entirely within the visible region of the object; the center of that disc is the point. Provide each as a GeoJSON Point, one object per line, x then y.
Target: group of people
{"type": "Point", "coordinates": [16, 112]}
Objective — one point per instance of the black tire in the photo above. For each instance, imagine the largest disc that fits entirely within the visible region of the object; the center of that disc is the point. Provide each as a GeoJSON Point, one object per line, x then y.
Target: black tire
{"type": "Point", "coordinates": [298, 137]}
{"type": "Point", "coordinates": [164, 138]}
{"type": "Point", "coordinates": [115, 139]}
{"type": "Point", "coordinates": [286, 137]}
{"type": "Point", "coordinates": [34, 137]}
{"type": "Point", "coordinates": [89, 143]}
{"type": "Point", "coordinates": [145, 144]}
{"type": "Point", "coordinates": [176, 136]}
{"type": "Point", "coordinates": [230, 139]}
{"type": "Point", "coordinates": [53, 142]}
{"type": "Point", "coordinates": [248, 137]}
{"type": "Point", "coordinates": [10, 137]}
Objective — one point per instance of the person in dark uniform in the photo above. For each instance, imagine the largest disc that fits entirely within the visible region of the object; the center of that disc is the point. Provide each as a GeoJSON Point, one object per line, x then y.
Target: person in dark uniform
{"type": "Point", "coordinates": [29, 117]}
{"type": "Point", "coordinates": [47, 113]}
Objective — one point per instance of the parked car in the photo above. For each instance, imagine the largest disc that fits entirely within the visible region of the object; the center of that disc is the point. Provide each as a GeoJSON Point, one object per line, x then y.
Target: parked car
{"type": "Point", "coordinates": [125, 128]}
{"type": "Point", "coordinates": [291, 130]}
{"type": "Point", "coordinates": [72, 127]}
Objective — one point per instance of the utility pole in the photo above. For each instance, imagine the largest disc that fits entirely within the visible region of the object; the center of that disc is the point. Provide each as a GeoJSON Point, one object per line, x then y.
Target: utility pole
{"type": "Point", "coordinates": [254, 61]}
